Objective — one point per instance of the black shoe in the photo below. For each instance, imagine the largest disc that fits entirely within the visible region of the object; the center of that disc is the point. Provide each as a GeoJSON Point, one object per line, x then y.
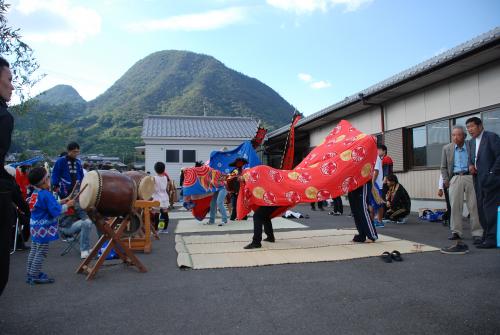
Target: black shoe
{"type": "Point", "coordinates": [252, 246]}
{"type": "Point", "coordinates": [454, 237]}
{"type": "Point", "coordinates": [477, 240]}
{"type": "Point", "coordinates": [457, 249]}
{"type": "Point", "coordinates": [359, 239]}
{"type": "Point", "coordinates": [269, 239]}
{"type": "Point", "coordinates": [313, 209]}
{"type": "Point", "coordinates": [486, 245]}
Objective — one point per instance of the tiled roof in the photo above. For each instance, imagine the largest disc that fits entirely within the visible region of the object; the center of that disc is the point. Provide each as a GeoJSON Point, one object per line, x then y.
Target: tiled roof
{"type": "Point", "coordinates": [199, 127]}
{"type": "Point", "coordinates": [413, 72]}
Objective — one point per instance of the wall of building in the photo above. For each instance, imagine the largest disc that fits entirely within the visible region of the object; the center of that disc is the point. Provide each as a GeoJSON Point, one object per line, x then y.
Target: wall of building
{"type": "Point", "coordinates": [368, 121]}
{"type": "Point", "coordinates": [474, 91]}
{"type": "Point", "coordinates": [156, 152]}
{"type": "Point", "coordinates": [469, 92]}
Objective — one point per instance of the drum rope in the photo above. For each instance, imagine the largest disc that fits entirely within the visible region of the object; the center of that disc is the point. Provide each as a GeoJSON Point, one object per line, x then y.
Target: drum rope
{"type": "Point", "coordinates": [99, 188]}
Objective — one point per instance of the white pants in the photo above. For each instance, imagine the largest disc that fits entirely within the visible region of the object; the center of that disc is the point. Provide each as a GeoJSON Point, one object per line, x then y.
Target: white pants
{"type": "Point", "coordinates": [460, 186]}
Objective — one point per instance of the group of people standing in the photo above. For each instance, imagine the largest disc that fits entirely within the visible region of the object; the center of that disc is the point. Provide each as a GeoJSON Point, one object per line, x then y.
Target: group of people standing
{"type": "Point", "coordinates": [470, 170]}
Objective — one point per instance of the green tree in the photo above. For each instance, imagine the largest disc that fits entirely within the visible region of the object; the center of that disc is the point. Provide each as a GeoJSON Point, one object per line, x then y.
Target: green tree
{"type": "Point", "coordinates": [22, 61]}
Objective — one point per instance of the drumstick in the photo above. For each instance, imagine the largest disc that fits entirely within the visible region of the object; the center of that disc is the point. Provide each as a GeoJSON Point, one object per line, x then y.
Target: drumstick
{"type": "Point", "coordinates": [77, 184]}
{"type": "Point", "coordinates": [83, 189]}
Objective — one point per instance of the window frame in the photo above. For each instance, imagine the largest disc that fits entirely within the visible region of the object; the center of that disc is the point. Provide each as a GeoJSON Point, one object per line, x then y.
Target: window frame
{"type": "Point", "coordinates": [166, 156]}
{"type": "Point", "coordinates": [183, 157]}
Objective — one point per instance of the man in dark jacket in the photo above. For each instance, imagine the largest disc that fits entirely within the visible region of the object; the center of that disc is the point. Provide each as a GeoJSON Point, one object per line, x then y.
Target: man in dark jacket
{"type": "Point", "coordinates": [9, 191]}
{"type": "Point", "coordinates": [67, 171]}
{"type": "Point", "coordinates": [484, 165]}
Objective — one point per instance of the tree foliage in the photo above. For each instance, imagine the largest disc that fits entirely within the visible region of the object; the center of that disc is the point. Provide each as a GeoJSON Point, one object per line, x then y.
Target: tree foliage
{"type": "Point", "coordinates": [21, 58]}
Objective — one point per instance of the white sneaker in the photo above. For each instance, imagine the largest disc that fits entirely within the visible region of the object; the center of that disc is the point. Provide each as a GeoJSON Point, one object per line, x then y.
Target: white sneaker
{"type": "Point", "coordinates": [84, 254]}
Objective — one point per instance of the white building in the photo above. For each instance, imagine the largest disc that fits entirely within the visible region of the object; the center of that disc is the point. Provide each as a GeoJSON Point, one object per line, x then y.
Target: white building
{"type": "Point", "coordinates": [180, 141]}
{"type": "Point", "coordinates": [413, 113]}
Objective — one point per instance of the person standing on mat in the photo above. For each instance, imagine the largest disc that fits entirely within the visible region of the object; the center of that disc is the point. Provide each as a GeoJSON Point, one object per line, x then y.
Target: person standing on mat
{"type": "Point", "coordinates": [484, 165]}
{"type": "Point", "coordinates": [358, 200]}
{"type": "Point", "coordinates": [262, 217]}
{"type": "Point", "coordinates": [238, 163]}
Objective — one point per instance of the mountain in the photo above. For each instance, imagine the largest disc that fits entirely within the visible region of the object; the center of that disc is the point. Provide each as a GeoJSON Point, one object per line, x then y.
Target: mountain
{"type": "Point", "coordinates": [163, 83]}
{"type": "Point", "coordinates": [185, 83]}
{"type": "Point", "coordinates": [59, 95]}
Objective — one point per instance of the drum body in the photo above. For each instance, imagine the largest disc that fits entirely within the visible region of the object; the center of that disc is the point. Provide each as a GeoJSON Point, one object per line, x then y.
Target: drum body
{"type": "Point", "coordinates": [144, 182]}
{"type": "Point", "coordinates": [111, 193]}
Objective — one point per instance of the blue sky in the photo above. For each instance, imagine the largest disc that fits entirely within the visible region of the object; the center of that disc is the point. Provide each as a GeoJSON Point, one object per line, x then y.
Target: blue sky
{"type": "Point", "coordinates": [312, 52]}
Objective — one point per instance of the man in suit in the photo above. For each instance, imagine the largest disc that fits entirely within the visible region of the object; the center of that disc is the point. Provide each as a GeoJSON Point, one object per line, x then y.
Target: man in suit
{"type": "Point", "coordinates": [458, 180]}
{"type": "Point", "coordinates": [484, 165]}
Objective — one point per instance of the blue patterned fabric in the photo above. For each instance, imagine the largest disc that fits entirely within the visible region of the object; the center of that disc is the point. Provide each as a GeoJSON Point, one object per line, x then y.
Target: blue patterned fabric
{"type": "Point", "coordinates": [220, 160]}
{"type": "Point", "coordinates": [44, 212]}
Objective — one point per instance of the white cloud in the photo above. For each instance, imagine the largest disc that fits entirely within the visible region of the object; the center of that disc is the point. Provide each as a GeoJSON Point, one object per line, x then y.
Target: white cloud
{"type": "Point", "coordinates": [317, 85]}
{"type": "Point", "coordinates": [81, 22]}
{"type": "Point", "coordinates": [209, 20]}
{"type": "Point", "coordinates": [305, 77]}
{"type": "Point", "coordinates": [309, 6]}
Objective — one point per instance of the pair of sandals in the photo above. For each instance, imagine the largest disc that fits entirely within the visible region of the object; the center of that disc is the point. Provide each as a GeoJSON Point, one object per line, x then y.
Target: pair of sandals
{"type": "Point", "coordinates": [388, 257]}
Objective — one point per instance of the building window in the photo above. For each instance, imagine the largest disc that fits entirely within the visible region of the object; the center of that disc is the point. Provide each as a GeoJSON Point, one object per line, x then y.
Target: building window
{"type": "Point", "coordinates": [491, 121]}
{"type": "Point", "coordinates": [189, 156]}
{"type": "Point", "coordinates": [428, 142]}
{"type": "Point", "coordinates": [172, 156]}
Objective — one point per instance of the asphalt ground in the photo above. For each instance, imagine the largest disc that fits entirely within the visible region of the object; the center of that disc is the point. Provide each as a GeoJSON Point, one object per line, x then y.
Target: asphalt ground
{"type": "Point", "coordinates": [427, 293]}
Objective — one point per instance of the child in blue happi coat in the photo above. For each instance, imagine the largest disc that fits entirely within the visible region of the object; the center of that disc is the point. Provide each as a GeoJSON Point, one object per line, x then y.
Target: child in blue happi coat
{"type": "Point", "coordinates": [43, 224]}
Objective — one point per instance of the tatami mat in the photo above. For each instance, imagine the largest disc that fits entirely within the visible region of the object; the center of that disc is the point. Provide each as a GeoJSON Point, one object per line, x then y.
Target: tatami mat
{"type": "Point", "coordinates": [303, 246]}
{"type": "Point", "coordinates": [195, 226]}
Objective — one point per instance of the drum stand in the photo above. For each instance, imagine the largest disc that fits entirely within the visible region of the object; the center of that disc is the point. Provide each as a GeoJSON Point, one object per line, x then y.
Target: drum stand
{"type": "Point", "coordinates": [143, 243]}
{"type": "Point", "coordinates": [113, 236]}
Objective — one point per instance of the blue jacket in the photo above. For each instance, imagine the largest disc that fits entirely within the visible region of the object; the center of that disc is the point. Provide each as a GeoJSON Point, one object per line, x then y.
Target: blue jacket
{"type": "Point", "coordinates": [44, 212]}
{"type": "Point", "coordinates": [61, 177]}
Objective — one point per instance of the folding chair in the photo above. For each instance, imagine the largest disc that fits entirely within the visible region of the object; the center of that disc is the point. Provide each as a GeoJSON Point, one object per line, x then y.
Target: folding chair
{"type": "Point", "coordinates": [72, 241]}
{"type": "Point", "coordinates": [15, 237]}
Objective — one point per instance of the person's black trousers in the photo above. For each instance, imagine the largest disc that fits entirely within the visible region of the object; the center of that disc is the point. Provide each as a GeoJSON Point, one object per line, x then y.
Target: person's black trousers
{"type": "Point", "coordinates": [488, 200]}
{"type": "Point", "coordinates": [337, 205]}
{"type": "Point", "coordinates": [262, 217]}
{"type": "Point", "coordinates": [358, 200]}
{"type": "Point", "coordinates": [7, 219]}
{"type": "Point", "coordinates": [234, 201]}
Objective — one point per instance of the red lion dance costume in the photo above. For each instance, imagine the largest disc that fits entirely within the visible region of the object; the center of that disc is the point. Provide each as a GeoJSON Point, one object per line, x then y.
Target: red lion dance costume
{"type": "Point", "coordinates": [342, 163]}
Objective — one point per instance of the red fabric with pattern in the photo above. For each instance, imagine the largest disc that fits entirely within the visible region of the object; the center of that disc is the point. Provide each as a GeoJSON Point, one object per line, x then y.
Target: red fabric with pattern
{"type": "Point", "coordinates": [342, 163]}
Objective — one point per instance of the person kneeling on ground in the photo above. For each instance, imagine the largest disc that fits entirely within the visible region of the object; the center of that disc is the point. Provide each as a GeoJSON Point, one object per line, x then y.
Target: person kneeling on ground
{"type": "Point", "coordinates": [398, 200]}
{"type": "Point", "coordinates": [77, 221]}
{"type": "Point", "coordinates": [262, 217]}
